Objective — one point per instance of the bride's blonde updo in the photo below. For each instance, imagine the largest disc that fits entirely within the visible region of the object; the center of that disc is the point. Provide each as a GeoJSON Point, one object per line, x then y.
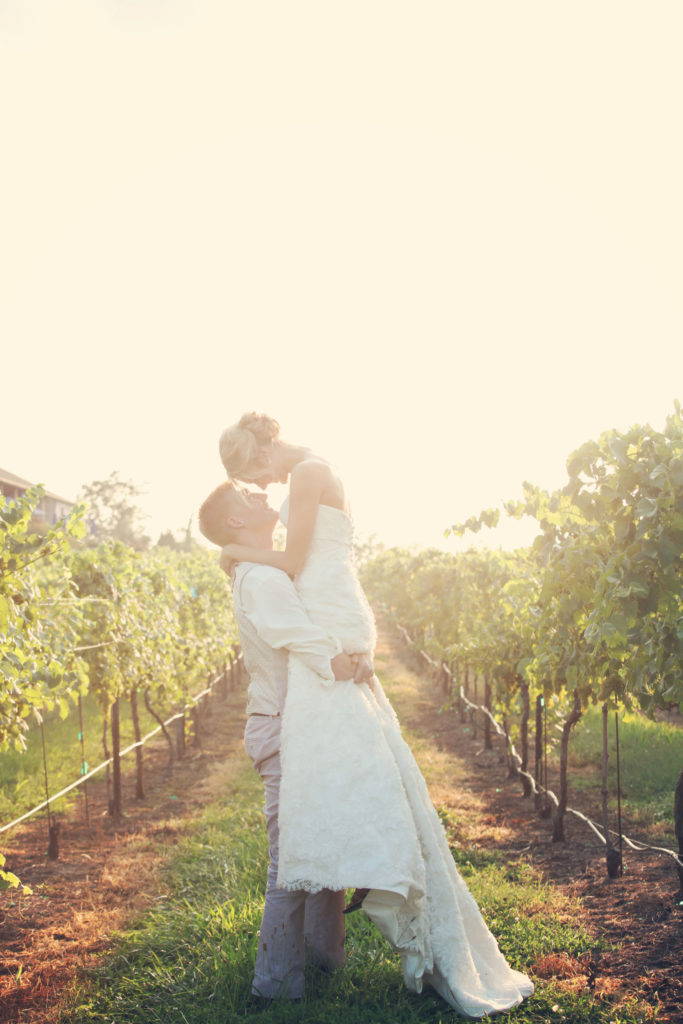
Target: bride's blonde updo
{"type": "Point", "coordinates": [239, 445]}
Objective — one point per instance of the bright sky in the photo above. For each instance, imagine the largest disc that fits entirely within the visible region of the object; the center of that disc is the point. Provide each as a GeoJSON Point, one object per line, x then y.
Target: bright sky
{"type": "Point", "coordinates": [439, 241]}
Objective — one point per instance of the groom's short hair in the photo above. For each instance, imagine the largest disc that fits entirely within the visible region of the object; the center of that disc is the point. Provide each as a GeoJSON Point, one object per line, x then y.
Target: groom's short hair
{"type": "Point", "coordinates": [214, 513]}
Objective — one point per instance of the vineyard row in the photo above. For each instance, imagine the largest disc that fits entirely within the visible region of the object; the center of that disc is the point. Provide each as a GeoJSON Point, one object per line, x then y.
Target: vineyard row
{"type": "Point", "coordinates": [590, 614]}
{"type": "Point", "coordinates": [533, 786]}
{"type": "Point", "coordinates": [107, 620]}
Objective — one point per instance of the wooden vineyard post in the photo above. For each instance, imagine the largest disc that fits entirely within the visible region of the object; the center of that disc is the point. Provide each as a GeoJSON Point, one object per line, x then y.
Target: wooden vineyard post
{"type": "Point", "coordinates": [107, 757]}
{"type": "Point", "coordinates": [52, 825]}
{"type": "Point", "coordinates": [474, 713]}
{"type": "Point", "coordinates": [139, 787]}
{"type": "Point", "coordinates": [205, 706]}
{"type": "Point", "coordinates": [678, 824]}
{"type": "Point", "coordinates": [513, 770]}
{"type": "Point", "coordinates": [84, 763]}
{"type": "Point", "coordinates": [611, 855]}
{"type": "Point", "coordinates": [465, 687]}
{"type": "Point", "coordinates": [180, 734]}
{"type": "Point", "coordinates": [194, 715]}
{"type": "Point", "coordinates": [538, 753]}
{"type": "Point", "coordinates": [605, 759]}
{"type": "Point", "coordinates": [524, 736]}
{"type": "Point", "coordinates": [488, 744]}
{"type": "Point", "coordinates": [116, 807]}
{"type": "Point", "coordinates": [546, 809]}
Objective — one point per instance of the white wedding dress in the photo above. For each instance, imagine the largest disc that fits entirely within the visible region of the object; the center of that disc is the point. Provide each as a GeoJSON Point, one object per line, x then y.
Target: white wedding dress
{"type": "Point", "coordinates": [355, 810]}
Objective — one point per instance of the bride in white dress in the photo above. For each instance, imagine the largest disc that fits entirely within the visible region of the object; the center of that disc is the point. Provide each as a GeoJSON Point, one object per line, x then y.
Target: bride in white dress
{"type": "Point", "coordinates": [354, 808]}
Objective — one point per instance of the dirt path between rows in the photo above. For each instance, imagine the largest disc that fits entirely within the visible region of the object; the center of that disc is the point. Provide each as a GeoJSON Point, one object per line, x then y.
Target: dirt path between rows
{"type": "Point", "coordinates": [639, 914]}
{"type": "Point", "coordinates": [107, 876]}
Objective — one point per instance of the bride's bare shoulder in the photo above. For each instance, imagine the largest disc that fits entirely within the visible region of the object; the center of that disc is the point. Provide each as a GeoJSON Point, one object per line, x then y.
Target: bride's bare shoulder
{"type": "Point", "coordinates": [314, 476]}
{"type": "Point", "coordinates": [313, 470]}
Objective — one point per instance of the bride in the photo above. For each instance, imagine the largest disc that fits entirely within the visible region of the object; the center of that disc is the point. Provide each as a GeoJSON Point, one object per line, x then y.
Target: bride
{"type": "Point", "coordinates": [354, 808]}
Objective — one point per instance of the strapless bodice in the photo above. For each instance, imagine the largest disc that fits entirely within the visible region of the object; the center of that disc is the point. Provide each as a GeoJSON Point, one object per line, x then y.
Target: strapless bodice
{"type": "Point", "coordinates": [328, 585]}
{"type": "Point", "coordinates": [333, 535]}
{"type": "Point", "coordinates": [333, 529]}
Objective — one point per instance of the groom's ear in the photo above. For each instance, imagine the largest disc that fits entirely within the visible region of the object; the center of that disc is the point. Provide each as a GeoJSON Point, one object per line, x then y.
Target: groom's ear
{"type": "Point", "coordinates": [234, 523]}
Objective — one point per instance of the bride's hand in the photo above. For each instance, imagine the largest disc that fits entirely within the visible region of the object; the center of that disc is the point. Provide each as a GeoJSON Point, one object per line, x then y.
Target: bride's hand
{"type": "Point", "coordinates": [364, 668]}
{"type": "Point", "coordinates": [229, 557]}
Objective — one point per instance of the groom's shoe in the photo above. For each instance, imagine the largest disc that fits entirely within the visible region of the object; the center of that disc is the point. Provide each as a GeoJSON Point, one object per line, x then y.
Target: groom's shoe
{"type": "Point", "coordinates": [356, 901]}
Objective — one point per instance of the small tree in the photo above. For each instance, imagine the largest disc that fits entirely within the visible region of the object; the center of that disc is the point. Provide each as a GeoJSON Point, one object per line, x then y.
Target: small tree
{"type": "Point", "coordinates": [113, 513]}
{"type": "Point", "coordinates": [167, 540]}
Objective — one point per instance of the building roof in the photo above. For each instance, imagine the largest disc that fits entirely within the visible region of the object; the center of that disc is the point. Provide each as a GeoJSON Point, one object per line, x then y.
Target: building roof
{"type": "Point", "coordinates": [17, 481]}
{"type": "Point", "coordinates": [12, 478]}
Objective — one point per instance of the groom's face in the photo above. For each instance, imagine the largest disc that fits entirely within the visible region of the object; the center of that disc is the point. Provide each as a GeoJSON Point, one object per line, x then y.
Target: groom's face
{"type": "Point", "coordinates": [252, 509]}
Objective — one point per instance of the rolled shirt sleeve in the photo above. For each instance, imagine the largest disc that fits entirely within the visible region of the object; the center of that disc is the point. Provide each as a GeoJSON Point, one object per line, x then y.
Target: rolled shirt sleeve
{"type": "Point", "coordinates": [272, 604]}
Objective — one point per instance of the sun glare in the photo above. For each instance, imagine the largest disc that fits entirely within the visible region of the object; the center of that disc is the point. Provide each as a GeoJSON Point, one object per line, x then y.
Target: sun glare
{"type": "Point", "coordinates": [442, 272]}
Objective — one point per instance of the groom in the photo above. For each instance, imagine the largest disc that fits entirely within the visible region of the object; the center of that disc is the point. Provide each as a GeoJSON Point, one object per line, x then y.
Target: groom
{"type": "Point", "coordinates": [273, 621]}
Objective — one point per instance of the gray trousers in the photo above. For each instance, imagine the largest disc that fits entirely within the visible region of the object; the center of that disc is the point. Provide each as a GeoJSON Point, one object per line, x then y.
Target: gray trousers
{"type": "Point", "coordinates": [292, 921]}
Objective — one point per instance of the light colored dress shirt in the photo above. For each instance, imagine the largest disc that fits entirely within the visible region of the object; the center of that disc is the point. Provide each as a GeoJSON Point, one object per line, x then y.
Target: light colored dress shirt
{"type": "Point", "coordinates": [272, 621]}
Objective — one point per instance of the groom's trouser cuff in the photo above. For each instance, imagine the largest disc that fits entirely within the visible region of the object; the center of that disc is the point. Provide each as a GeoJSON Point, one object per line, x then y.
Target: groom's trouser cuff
{"type": "Point", "coordinates": [292, 920]}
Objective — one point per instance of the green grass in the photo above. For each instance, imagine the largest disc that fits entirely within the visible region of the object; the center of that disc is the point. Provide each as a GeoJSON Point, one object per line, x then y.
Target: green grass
{"type": "Point", "coordinates": [22, 782]}
{"type": "Point", "coordinates": [190, 960]}
{"type": "Point", "coordinates": [651, 756]}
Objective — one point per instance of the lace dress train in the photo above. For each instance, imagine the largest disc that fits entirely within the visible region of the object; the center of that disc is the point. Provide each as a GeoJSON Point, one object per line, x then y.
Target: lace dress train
{"type": "Point", "coordinates": [355, 810]}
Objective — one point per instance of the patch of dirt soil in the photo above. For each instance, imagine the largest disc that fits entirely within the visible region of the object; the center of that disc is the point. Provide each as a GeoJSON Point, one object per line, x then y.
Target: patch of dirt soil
{"type": "Point", "coordinates": [639, 915]}
{"type": "Point", "coordinates": [106, 874]}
